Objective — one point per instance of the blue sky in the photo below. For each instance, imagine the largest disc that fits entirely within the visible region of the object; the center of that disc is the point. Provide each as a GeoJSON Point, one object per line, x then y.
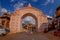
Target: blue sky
{"type": "Point", "coordinates": [48, 7]}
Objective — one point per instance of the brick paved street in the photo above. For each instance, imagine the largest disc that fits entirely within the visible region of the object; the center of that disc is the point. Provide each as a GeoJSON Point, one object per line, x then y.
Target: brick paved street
{"type": "Point", "coordinates": [28, 36]}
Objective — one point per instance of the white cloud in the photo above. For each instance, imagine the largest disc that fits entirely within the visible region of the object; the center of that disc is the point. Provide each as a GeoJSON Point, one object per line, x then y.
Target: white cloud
{"type": "Point", "coordinates": [3, 10]}
{"type": "Point", "coordinates": [35, 0]}
{"type": "Point", "coordinates": [52, 1]}
{"type": "Point", "coordinates": [29, 19]}
{"type": "Point", "coordinates": [49, 16]}
{"type": "Point", "coordinates": [12, 0]}
{"type": "Point", "coordinates": [48, 1]}
{"type": "Point", "coordinates": [18, 5]}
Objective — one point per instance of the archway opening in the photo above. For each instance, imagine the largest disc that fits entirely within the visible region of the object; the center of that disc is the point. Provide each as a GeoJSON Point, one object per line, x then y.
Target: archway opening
{"type": "Point", "coordinates": [29, 22]}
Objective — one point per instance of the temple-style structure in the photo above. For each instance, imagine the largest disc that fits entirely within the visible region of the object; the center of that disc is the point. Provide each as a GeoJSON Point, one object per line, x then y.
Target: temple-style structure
{"type": "Point", "coordinates": [18, 15]}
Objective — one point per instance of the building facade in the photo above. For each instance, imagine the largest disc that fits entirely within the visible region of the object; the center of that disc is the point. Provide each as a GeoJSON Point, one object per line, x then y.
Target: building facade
{"type": "Point", "coordinates": [18, 15]}
{"type": "Point", "coordinates": [58, 16]}
{"type": "Point", "coordinates": [4, 20]}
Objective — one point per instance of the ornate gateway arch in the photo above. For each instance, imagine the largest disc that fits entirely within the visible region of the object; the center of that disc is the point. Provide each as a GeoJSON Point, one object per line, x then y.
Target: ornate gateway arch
{"type": "Point", "coordinates": [16, 18]}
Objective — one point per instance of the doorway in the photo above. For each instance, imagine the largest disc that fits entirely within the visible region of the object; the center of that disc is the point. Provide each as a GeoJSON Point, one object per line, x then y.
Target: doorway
{"type": "Point", "coordinates": [29, 22]}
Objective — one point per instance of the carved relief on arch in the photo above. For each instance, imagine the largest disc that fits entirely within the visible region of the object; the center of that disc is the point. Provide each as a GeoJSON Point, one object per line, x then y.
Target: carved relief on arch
{"type": "Point", "coordinates": [29, 14]}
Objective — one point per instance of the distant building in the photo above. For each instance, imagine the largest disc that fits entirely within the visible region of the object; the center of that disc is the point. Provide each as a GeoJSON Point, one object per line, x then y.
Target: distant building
{"type": "Point", "coordinates": [58, 16]}
{"type": "Point", "coordinates": [4, 20]}
{"type": "Point", "coordinates": [58, 13]}
{"type": "Point", "coordinates": [49, 19]}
